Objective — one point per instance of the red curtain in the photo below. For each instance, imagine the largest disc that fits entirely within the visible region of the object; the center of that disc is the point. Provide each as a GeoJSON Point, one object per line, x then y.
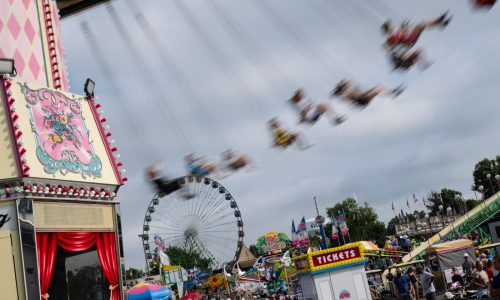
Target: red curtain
{"type": "Point", "coordinates": [106, 250]}
{"type": "Point", "coordinates": [77, 241]}
{"type": "Point", "coordinates": [46, 245]}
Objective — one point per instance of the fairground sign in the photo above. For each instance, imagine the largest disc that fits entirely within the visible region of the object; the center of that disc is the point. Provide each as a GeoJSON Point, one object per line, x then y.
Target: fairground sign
{"type": "Point", "coordinates": [343, 256]}
{"type": "Point", "coordinates": [273, 243]}
{"type": "Point", "coordinates": [301, 264]}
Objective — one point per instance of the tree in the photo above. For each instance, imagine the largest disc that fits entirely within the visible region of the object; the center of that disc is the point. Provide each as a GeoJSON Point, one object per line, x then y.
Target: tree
{"type": "Point", "coordinates": [362, 221]}
{"type": "Point", "coordinates": [187, 258]}
{"type": "Point", "coordinates": [485, 176]}
{"type": "Point", "coordinates": [447, 198]}
{"type": "Point", "coordinates": [133, 273]}
{"type": "Point", "coordinates": [254, 250]}
{"type": "Point", "coordinates": [391, 226]}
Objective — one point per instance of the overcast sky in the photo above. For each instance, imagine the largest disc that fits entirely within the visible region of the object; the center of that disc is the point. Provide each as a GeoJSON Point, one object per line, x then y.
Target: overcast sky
{"type": "Point", "coordinates": [235, 81]}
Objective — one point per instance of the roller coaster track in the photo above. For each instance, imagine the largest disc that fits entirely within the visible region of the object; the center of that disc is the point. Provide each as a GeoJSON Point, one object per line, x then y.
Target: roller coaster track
{"type": "Point", "coordinates": [463, 225]}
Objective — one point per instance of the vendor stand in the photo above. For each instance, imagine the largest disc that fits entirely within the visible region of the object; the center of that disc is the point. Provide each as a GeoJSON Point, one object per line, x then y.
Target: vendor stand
{"type": "Point", "coordinates": [334, 274]}
{"type": "Point", "coordinates": [448, 255]}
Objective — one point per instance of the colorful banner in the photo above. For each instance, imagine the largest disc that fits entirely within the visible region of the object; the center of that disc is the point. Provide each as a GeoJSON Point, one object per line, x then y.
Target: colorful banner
{"type": "Point", "coordinates": [335, 228]}
{"type": "Point", "coordinates": [301, 264]}
{"type": "Point", "coordinates": [302, 235]}
{"type": "Point", "coordinates": [343, 224]}
{"type": "Point", "coordinates": [295, 242]}
{"type": "Point", "coordinates": [286, 260]}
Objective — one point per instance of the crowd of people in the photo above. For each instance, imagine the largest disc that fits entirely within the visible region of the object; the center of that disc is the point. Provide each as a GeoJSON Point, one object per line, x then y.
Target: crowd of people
{"type": "Point", "coordinates": [468, 280]}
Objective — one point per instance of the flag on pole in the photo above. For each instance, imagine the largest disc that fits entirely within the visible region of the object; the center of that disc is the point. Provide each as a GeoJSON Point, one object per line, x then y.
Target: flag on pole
{"type": "Point", "coordinates": [423, 201]}
{"type": "Point", "coordinates": [267, 274]}
{"type": "Point", "coordinates": [335, 229]}
{"type": "Point", "coordinates": [302, 225]}
{"type": "Point", "coordinates": [286, 259]}
{"type": "Point", "coordinates": [343, 224]}
{"type": "Point", "coordinates": [164, 259]}
{"type": "Point", "coordinates": [393, 206]}
{"type": "Point", "coordinates": [237, 270]}
{"type": "Point", "coordinates": [303, 238]}
{"type": "Point", "coordinates": [407, 203]}
{"type": "Point", "coordinates": [415, 199]}
{"type": "Point", "coordinates": [226, 274]}
{"type": "Point", "coordinates": [259, 263]}
{"type": "Point", "coordinates": [295, 242]}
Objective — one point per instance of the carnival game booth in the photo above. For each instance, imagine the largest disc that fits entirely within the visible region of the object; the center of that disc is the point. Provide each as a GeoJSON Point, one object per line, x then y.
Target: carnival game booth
{"type": "Point", "coordinates": [59, 173]}
{"type": "Point", "coordinates": [447, 255]}
{"type": "Point", "coordinates": [335, 273]}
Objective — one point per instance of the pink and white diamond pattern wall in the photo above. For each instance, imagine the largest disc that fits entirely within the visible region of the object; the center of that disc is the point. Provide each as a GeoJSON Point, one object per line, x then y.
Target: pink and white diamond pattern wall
{"type": "Point", "coordinates": [23, 37]}
{"type": "Point", "coordinates": [57, 41]}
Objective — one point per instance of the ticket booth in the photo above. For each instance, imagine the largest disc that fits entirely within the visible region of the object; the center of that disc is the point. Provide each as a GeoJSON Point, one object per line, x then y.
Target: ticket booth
{"type": "Point", "coordinates": [334, 274]}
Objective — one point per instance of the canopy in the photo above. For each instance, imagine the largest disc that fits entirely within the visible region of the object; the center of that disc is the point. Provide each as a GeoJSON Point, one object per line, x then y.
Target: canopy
{"type": "Point", "coordinates": [147, 291]}
{"type": "Point", "coordinates": [450, 246]}
{"type": "Point", "coordinates": [451, 254]}
{"type": "Point", "coordinates": [369, 246]}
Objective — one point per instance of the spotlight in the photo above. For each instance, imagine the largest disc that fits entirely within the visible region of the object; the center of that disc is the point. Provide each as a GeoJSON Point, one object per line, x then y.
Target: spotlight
{"type": "Point", "coordinates": [7, 67]}
{"type": "Point", "coordinates": [89, 87]}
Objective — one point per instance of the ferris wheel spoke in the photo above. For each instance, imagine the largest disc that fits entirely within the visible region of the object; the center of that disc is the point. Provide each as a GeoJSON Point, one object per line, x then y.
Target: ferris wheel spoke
{"type": "Point", "coordinates": [217, 225]}
{"type": "Point", "coordinates": [209, 203]}
{"type": "Point", "coordinates": [220, 238]}
{"type": "Point", "coordinates": [210, 253]}
{"type": "Point", "coordinates": [224, 253]}
{"type": "Point", "coordinates": [175, 242]}
{"type": "Point", "coordinates": [164, 220]}
{"type": "Point", "coordinates": [168, 228]}
{"type": "Point", "coordinates": [219, 231]}
{"type": "Point", "coordinates": [167, 220]}
{"type": "Point", "coordinates": [212, 211]}
{"type": "Point", "coordinates": [194, 203]}
{"type": "Point", "coordinates": [217, 216]}
{"type": "Point", "coordinates": [171, 204]}
{"type": "Point", "coordinates": [161, 234]}
{"type": "Point", "coordinates": [204, 200]}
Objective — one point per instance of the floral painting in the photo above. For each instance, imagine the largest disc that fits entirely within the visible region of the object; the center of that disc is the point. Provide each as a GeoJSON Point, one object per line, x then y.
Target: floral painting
{"type": "Point", "coordinates": [63, 141]}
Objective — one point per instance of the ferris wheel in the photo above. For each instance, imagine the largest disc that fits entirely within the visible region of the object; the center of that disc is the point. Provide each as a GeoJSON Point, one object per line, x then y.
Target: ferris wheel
{"type": "Point", "coordinates": [202, 216]}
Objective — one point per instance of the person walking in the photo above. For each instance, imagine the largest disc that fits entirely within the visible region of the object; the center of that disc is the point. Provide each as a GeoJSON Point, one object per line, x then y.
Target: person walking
{"type": "Point", "coordinates": [480, 281]}
{"type": "Point", "coordinates": [467, 265]}
{"type": "Point", "coordinates": [495, 286]}
{"type": "Point", "coordinates": [414, 282]}
{"type": "Point", "coordinates": [427, 280]}
{"type": "Point", "coordinates": [403, 285]}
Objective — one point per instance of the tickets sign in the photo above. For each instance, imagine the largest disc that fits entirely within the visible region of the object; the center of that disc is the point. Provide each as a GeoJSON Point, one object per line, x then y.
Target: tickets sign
{"type": "Point", "coordinates": [335, 257]}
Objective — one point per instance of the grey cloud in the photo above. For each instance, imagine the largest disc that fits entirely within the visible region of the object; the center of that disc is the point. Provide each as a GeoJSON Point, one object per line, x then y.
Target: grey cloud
{"type": "Point", "coordinates": [428, 138]}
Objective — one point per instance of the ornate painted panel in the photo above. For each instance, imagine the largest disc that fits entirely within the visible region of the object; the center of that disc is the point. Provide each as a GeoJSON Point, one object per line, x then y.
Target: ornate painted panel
{"type": "Point", "coordinates": [61, 136]}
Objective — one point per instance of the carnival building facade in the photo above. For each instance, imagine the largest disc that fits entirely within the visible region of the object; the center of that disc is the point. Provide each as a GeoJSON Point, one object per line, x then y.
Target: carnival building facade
{"type": "Point", "coordinates": [59, 173]}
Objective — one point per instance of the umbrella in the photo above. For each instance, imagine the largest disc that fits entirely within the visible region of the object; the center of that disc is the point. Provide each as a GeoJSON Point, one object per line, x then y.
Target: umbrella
{"type": "Point", "coordinates": [147, 291]}
{"type": "Point", "coordinates": [191, 295]}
